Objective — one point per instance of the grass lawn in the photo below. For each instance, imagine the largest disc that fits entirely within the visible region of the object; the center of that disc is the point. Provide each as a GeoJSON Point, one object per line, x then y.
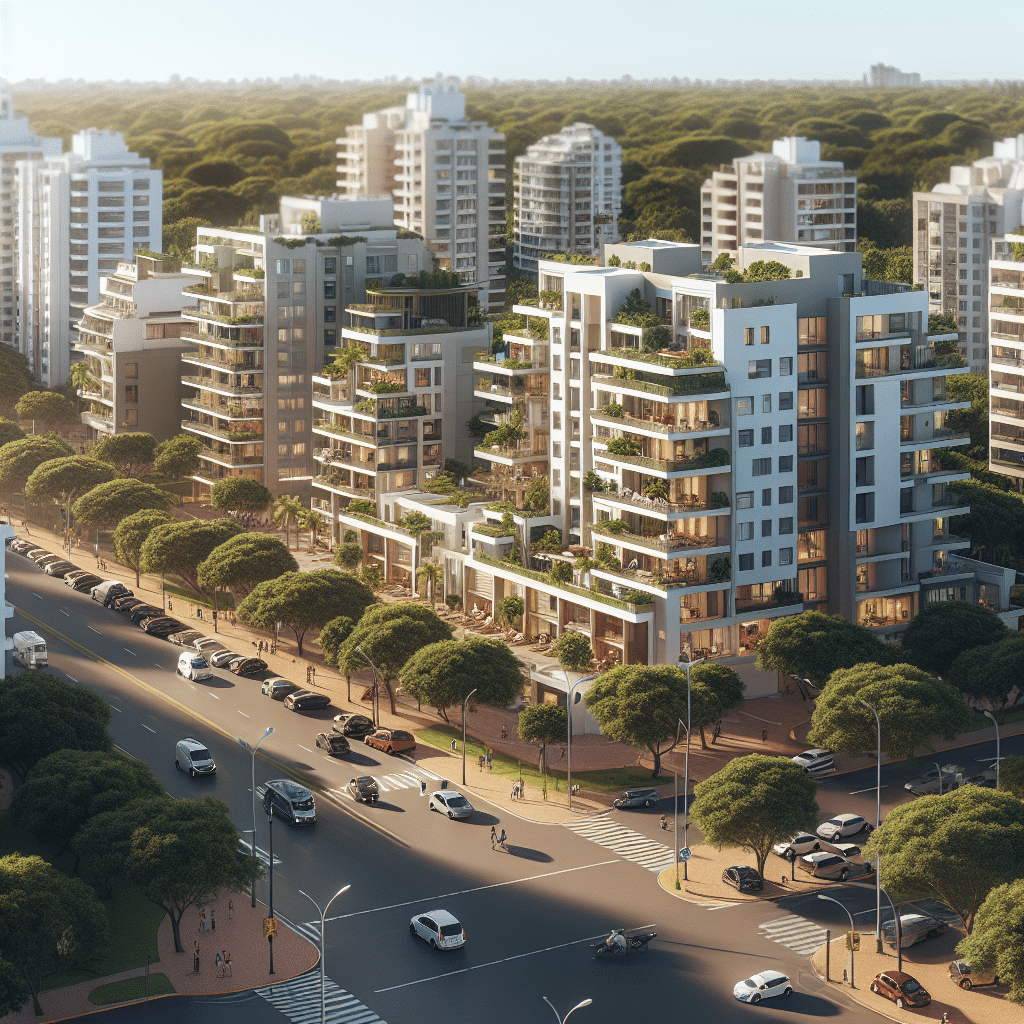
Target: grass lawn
{"type": "Point", "coordinates": [130, 988]}
{"type": "Point", "coordinates": [225, 602]}
{"type": "Point", "coordinates": [606, 781]}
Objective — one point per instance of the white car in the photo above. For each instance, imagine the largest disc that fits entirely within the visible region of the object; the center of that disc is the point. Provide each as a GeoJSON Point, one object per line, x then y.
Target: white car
{"type": "Point", "coordinates": [763, 986]}
{"type": "Point", "coordinates": [798, 845]}
{"type": "Point", "coordinates": [814, 761]}
{"type": "Point", "coordinates": [452, 803]}
{"type": "Point", "coordinates": [439, 929]}
{"type": "Point", "coordinates": [843, 825]}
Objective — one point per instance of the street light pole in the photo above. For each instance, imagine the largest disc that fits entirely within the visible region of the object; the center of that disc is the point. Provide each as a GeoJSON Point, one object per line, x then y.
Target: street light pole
{"type": "Point", "coordinates": [560, 1019]}
{"type": "Point", "coordinates": [878, 824]}
{"type": "Point", "coordinates": [569, 701]}
{"type": "Point", "coordinates": [992, 719]}
{"type": "Point", "coordinates": [821, 896]}
{"type": "Point", "coordinates": [323, 923]}
{"type": "Point", "coordinates": [271, 909]}
{"type": "Point", "coordinates": [897, 933]}
{"type": "Point", "coordinates": [468, 695]}
{"type": "Point", "coordinates": [686, 779]}
{"type": "Point", "coordinates": [253, 750]}
{"type": "Point", "coordinates": [375, 705]}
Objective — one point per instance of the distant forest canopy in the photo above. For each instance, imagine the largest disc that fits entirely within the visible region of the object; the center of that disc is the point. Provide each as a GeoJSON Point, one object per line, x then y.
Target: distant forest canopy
{"type": "Point", "coordinates": [228, 155]}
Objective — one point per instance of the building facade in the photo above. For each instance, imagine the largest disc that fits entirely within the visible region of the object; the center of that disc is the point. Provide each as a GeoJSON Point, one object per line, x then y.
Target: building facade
{"type": "Point", "coordinates": [1006, 357]}
{"type": "Point", "coordinates": [790, 195]}
{"type": "Point", "coordinates": [885, 76]}
{"type": "Point", "coordinates": [567, 195]}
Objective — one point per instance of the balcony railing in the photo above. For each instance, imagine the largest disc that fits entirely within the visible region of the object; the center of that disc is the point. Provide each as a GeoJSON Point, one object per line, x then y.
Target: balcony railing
{"type": "Point", "coordinates": [232, 436]}
{"type": "Point", "coordinates": [209, 382]}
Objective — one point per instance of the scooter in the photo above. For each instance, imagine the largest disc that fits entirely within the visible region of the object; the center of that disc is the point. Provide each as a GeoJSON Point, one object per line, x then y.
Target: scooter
{"type": "Point", "coordinates": [619, 945]}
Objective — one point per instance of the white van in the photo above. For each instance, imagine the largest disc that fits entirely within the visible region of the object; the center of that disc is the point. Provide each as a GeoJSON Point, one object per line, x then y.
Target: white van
{"type": "Point", "coordinates": [192, 665]}
{"type": "Point", "coordinates": [107, 591]}
{"type": "Point", "coordinates": [29, 650]}
{"type": "Point", "coordinates": [192, 756]}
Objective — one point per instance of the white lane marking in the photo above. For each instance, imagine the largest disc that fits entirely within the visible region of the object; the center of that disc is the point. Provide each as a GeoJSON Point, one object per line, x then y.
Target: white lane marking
{"type": "Point", "coordinates": [243, 714]}
{"type": "Point", "coordinates": [144, 726]}
{"type": "Point", "coordinates": [132, 653]}
{"type": "Point", "coordinates": [74, 680]}
{"type": "Point", "coordinates": [109, 705]}
{"type": "Point", "coordinates": [213, 695]}
{"type": "Point", "coordinates": [306, 749]}
{"type": "Point", "coordinates": [34, 594]}
{"type": "Point", "coordinates": [94, 630]}
{"type": "Point", "coordinates": [61, 610]}
{"type": "Point", "coordinates": [870, 789]}
{"type": "Point", "coordinates": [479, 888]}
{"type": "Point", "coordinates": [158, 665]}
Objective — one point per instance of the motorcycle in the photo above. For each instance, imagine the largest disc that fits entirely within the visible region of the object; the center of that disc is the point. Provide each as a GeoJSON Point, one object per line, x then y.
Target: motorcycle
{"type": "Point", "coordinates": [619, 945]}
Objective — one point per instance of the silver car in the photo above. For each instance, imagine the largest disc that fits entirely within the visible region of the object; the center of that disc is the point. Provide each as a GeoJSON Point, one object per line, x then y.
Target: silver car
{"type": "Point", "coordinates": [452, 803]}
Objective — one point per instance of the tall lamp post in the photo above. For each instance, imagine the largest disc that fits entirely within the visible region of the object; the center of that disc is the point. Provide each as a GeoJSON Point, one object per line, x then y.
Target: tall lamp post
{"type": "Point", "coordinates": [560, 1019]}
{"type": "Point", "coordinates": [464, 703]}
{"type": "Point", "coordinates": [992, 719]}
{"type": "Point", "coordinates": [686, 781]}
{"type": "Point", "coordinates": [323, 923]}
{"type": "Point", "coordinates": [376, 689]}
{"type": "Point", "coordinates": [253, 750]}
{"type": "Point", "coordinates": [821, 896]}
{"type": "Point", "coordinates": [878, 823]}
{"type": "Point", "coordinates": [897, 933]}
{"type": "Point", "coordinates": [570, 700]}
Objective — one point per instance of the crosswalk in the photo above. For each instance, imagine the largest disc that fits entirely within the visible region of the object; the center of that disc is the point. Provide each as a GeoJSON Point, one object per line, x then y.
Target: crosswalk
{"type": "Point", "coordinates": [794, 932]}
{"type": "Point", "coordinates": [398, 780]}
{"type": "Point", "coordinates": [624, 841]}
{"type": "Point", "coordinates": [299, 1001]}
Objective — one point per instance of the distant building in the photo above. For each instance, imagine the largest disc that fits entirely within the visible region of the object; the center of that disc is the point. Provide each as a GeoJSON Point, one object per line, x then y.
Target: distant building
{"type": "Point", "coordinates": [567, 195]}
{"type": "Point", "coordinates": [788, 195]}
{"type": "Point", "coordinates": [1006, 357]}
{"type": "Point", "coordinates": [884, 76]}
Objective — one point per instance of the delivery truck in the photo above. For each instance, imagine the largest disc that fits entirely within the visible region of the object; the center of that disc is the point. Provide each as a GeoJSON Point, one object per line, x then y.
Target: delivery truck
{"type": "Point", "coordinates": [29, 650]}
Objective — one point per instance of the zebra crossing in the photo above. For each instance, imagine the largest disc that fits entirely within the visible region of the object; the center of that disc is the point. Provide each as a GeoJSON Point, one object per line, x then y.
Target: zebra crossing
{"type": "Point", "coordinates": [624, 841]}
{"type": "Point", "coordinates": [398, 780]}
{"type": "Point", "coordinates": [299, 1001]}
{"type": "Point", "coordinates": [794, 932]}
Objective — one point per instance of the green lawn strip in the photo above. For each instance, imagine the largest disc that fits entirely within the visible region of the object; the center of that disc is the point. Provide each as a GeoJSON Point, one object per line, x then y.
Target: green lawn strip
{"type": "Point", "coordinates": [607, 780]}
{"type": "Point", "coordinates": [225, 602]}
{"type": "Point", "coordinates": [130, 988]}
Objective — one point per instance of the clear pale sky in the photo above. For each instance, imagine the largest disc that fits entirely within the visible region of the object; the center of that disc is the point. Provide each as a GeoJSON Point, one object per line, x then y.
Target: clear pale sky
{"type": "Point", "coordinates": [143, 40]}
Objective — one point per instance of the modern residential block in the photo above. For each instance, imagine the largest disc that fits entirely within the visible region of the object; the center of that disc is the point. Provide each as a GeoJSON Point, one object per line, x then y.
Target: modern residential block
{"type": "Point", "coordinates": [885, 76]}
{"type": "Point", "coordinates": [1006, 357]}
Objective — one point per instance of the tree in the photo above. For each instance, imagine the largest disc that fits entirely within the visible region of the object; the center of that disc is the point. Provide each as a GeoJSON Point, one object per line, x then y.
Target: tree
{"type": "Point", "coordinates": [286, 511]}
{"type": "Point", "coordinates": [996, 943]}
{"type": "Point", "coordinates": [244, 561]}
{"type": "Point", "coordinates": [573, 651]}
{"type": "Point", "coordinates": [813, 646]}
{"type": "Point", "coordinates": [1011, 776]}
{"type": "Point", "coordinates": [49, 409]}
{"type": "Point", "coordinates": [302, 601]}
{"type": "Point", "coordinates": [443, 674]}
{"type": "Point", "coordinates": [911, 706]}
{"type": "Point", "coordinates": [184, 854]}
{"type": "Point", "coordinates": [510, 608]}
{"type": "Point", "coordinates": [333, 635]}
{"type": "Point", "coordinates": [313, 521]}
{"type": "Point", "coordinates": [64, 480]}
{"type": "Point", "coordinates": [40, 714]}
{"type": "Point", "coordinates": [39, 905]}
{"type": "Point", "coordinates": [131, 534]}
{"type": "Point", "coordinates": [348, 556]}
{"type": "Point", "coordinates": [9, 431]}
{"type": "Point", "coordinates": [391, 634]}
{"type": "Point", "coordinates": [432, 573]}
{"type": "Point", "coordinates": [178, 456]}
{"type": "Point", "coordinates": [362, 507]}
{"type": "Point", "coordinates": [130, 454]}
{"type": "Point", "coordinates": [81, 379]}
{"type": "Point", "coordinates": [544, 724]}
{"type": "Point", "coordinates": [19, 459]}
{"type": "Point", "coordinates": [755, 802]}
{"type": "Point", "coordinates": [240, 494]}
{"type": "Point", "coordinates": [992, 675]}
{"type": "Point", "coordinates": [14, 990]}
{"type": "Point", "coordinates": [372, 576]}
{"type": "Point", "coordinates": [418, 524]}
{"type": "Point", "coordinates": [954, 848]}
{"type": "Point", "coordinates": [108, 503]}
{"type": "Point", "coordinates": [944, 629]}
{"type": "Point", "coordinates": [179, 547]}
{"type": "Point", "coordinates": [68, 787]}
{"type": "Point", "coordinates": [15, 378]}
{"type": "Point", "coordinates": [723, 683]}
{"type": "Point", "coordinates": [995, 523]}
{"type": "Point", "coordinates": [942, 323]}
{"type": "Point", "coordinates": [538, 495]}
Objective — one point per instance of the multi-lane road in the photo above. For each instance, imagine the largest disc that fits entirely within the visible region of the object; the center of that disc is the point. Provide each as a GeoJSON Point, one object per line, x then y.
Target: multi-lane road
{"type": "Point", "coordinates": [530, 914]}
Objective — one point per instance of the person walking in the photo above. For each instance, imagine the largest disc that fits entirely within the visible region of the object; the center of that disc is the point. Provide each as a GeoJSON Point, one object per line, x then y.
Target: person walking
{"type": "Point", "coordinates": [195, 958]}
{"type": "Point", "coordinates": [218, 962]}
{"type": "Point", "coordinates": [764, 737]}
{"type": "Point", "coordinates": [213, 921]}
{"type": "Point", "coordinates": [231, 909]}
{"type": "Point", "coordinates": [494, 837]}
{"type": "Point", "coordinates": [227, 963]}
{"type": "Point", "coordinates": [504, 732]}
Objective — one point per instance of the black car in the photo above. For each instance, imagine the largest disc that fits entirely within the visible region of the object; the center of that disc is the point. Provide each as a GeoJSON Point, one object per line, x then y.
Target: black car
{"type": "Point", "coordinates": [58, 570]}
{"type": "Point", "coordinates": [143, 611]}
{"type": "Point", "coordinates": [306, 700]}
{"type": "Point", "coordinates": [184, 637]}
{"type": "Point", "coordinates": [335, 745]}
{"type": "Point", "coordinates": [84, 582]}
{"type": "Point", "coordinates": [127, 603]}
{"type": "Point", "coordinates": [247, 666]}
{"type": "Point", "coordinates": [45, 560]}
{"type": "Point", "coordinates": [743, 878]}
{"type": "Point", "coordinates": [356, 726]}
{"type": "Point", "coordinates": [221, 659]}
{"type": "Point", "coordinates": [162, 626]}
{"type": "Point", "coordinates": [364, 789]}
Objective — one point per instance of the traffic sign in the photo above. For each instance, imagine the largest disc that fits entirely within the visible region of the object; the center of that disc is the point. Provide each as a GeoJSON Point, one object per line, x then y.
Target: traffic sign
{"type": "Point", "coordinates": [684, 853]}
{"type": "Point", "coordinates": [269, 927]}
{"type": "Point", "coordinates": [853, 941]}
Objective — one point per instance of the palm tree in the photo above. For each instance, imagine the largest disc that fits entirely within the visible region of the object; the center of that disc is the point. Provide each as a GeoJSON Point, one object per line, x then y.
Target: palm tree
{"type": "Point", "coordinates": [288, 510]}
{"type": "Point", "coordinates": [312, 521]}
{"type": "Point", "coordinates": [434, 575]}
{"type": "Point", "coordinates": [82, 379]}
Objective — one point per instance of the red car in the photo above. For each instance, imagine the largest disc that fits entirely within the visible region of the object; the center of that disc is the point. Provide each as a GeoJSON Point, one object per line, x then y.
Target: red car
{"type": "Point", "coordinates": [901, 988]}
{"type": "Point", "coordinates": [391, 741]}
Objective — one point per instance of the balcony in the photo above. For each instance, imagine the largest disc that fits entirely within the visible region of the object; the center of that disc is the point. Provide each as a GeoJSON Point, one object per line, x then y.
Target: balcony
{"type": "Point", "coordinates": [660, 508]}
{"type": "Point", "coordinates": [664, 543]}
{"type": "Point", "coordinates": [335, 483]}
{"type": "Point", "coordinates": [777, 598]}
{"type": "Point", "coordinates": [662, 424]}
{"type": "Point", "coordinates": [195, 358]}
{"type": "Point", "coordinates": [209, 384]}
{"type": "Point", "coordinates": [231, 436]}
{"type": "Point", "coordinates": [251, 338]}
{"type": "Point", "coordinates": [511, 456]}
{"type": "Point", "coordinates": [705, 462]}
{"type": "Point", "coordinates": [230, 457]}
{"type": "Point", "coordinates": [681, 386]}
{"type": "Point", "coordinates": [225, 410]}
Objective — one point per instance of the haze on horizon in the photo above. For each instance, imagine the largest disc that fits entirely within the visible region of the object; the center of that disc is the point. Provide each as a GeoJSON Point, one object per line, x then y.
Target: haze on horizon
{"type": "Point", "coordinates": [113, 40]}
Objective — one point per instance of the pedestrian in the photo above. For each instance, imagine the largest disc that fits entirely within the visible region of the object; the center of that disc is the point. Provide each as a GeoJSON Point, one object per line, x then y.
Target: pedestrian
{"type": "Point", "coordinates": [489, 765]}
{"type": "Point", "coordinates": [227, 963]}
{"type": "Point", "coordinates": [195, 958]}
{"type": "Point", "coordinates": [504, 732]}
{"type": "Point", "coordinates": [170, 605]}
{"type": "Point", "coordinates": [218, 960]}
{"type": "Point", "coordinates": [202, 920]}
{"type": "Point", "coordinates": [494, 837]}
{"type": "Point", "coordinates": [213, 921]}
{"type": "Point", "coordinates": [764, 736]}
{"type": "Point", "coordinates": [231, 909]}
{"type": "Point", "coordinates": [664, 823]}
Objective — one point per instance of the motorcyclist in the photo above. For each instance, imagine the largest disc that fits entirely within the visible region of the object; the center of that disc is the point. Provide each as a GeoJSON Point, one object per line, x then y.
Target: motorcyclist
{"type": "Point", "coordinates": [616, 942]}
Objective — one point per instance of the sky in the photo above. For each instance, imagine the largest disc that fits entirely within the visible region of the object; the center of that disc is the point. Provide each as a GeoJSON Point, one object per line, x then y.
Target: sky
{"type": "Point", "coordinates": [141, 40]}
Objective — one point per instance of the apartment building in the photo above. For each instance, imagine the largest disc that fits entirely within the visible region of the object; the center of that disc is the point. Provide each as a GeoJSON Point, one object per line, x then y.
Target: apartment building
{"type": "Point", "coordinates": [1006, 357]}
{"type": "Point", "coordinates": [885, 76]}
{"type": "Point", "coordinates": [954, 226]}
{"type": "Point", "coordinates": [79, 215]}
{"type": "Point", "coordinates": [131, 344]}
{"type": "Point", "coordinates": [790, 195]}
{"type": "Point", "coordinates": [567, 195]}
{"type": "Point", "coordinates": [447, 175]}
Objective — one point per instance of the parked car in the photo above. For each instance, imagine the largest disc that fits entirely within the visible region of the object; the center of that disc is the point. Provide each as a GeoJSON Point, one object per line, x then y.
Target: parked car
{"type": "Point", "coordinates": [439, 929]}
{"type": "Point", "coordinates": [391, 741]}
{"type": "Point", "coordinates": [58, 570]}
{"type": "Point", "coordinates": [289, 800]}
{"type": "Point", "coordinates": [108, 591]}
{"type": "Point", "coordinates": [452, 803]}
{"type": "Point", "coordinates": [743, 879]}
{"type": "Point", "coordinates": [203, 643]}
{"type": "Point", "coordinates": [826, 865]}
{"type": "Point", "coordinates": [193, 666]}
{"type": "Point", "coordinates": [247, 666]}
{"type": "Point", "coordinates": [848, 850]}
{"type": "Point", "coordinates": [306, 700]}
{"type": "Point", "coordinates": [952, 778]}
{"type": "Point", "coordinates": [363, 789]}
{"type": "Point", "coordinates": [843, 825]}
{"type": "Point", "coordinates": [35, 553]}
{"type": "Point", "coordinates": [47, 559]}
{"type": "Point", "coordinates": [646, 797]}
{"type": "Point", "coordinates": [17, 544]}
{"type": "Point", "coordinates": [127, 604]}
{"type": "Point", "coordinates": [901, 988]}
{"type": "Point", "coordinates": [83, 582]}
{"type": "Point", "coordinates": [814, 761]}
{"type": "Point", "coordinates": [914, 928]}
{"type": "Point", "coordinates": [192, 756]}
{"type": "Point", "coordinates": [221, 659]}
{"type": "Point", "coordinates": [185, 637]}
{"type": "Point", "coordinates": [797, 846]}
{"type": "Point", "coordinates": [335, 744]}
{"type": "Point", "coordinates": [139, 612]}
{"type": "Point", "coordinates": [961, 972]}
{"type": "Point", "coordinates": [354, 726]}
{"type": "Point", "coordinates": [763, 986]}
{"type": "Point", "coordinates": [161, 626]}
{"type": "Point", "coordinates": [277, 688]}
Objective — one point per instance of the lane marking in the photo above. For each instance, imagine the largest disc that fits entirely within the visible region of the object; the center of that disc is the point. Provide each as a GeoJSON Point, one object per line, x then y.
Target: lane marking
{"type": "Point", "coordinates": [158, 665]}
{"type": "Point", "coordinates": [68, 614]}
{"type": "Point", "coordinates": [108, 703]}
{"type": "Point", "coordinates": [34, 594]}
{"type": "Point", "coordinates": [94, 630]}
{"type": "Point", "coordinates": [74, 680]}
{"type": "Point", "coordinates": [144, 726]}
{"type": "Point", "coordinates": [870, 789]}
{"type": "Point", "coordinates": [243, 714]}
{"type": "Point", "coordinates": [132, 653]}
{"type": "Point", "coordinates": [213, 695]}
{"type": "Point", "coordinates": [306, 749]}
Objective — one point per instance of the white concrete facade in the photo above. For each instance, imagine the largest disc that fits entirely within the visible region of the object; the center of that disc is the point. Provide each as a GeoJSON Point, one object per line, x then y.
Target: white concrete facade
{"type": "Point", "coordinates": [1006, 357]}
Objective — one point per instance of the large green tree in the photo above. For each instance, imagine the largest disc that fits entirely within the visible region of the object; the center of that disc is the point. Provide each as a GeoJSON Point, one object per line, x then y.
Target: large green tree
{"type": "Point", "coordinates": [288, 511]}
{"type": "Point", "coordinates": [108, 503]}
{"type": "Point", "coordinates": [302, 601]}
{"type": "Point", "coordinates": [130, 454]}
{"type": "Point", "coordinates": [41, 714]}
{"type": "Point", "coordinates": [955, 848]}
{"type": "Point", "coordinates": [943, 630]}
{"type": "Point", "coordinates": [544, 724]}
{"type": "Point", "coordinates": [443, 674]}
{"type": "Point", "coordinates": [245, 561]}
{"type": "Point", "coordinates": [996, 943]}
{"type": "Point", "coordinates": [348, 555]}
{"type": "Point", "coordinates": [179, 547]}
{"type": "Point", "coordinates": [1011, 776]}
{"type": "Point", "coordinates": [993, 674]}
{"type": "Point", "coordinates": [19, 459]}
{"type": "Point", "coordinates": [15, 378]}
{"type": "Point", "coordinates": [48, 409]}
{"type": "Point", "coordinates": [9, 431]}
{"type": "Point", "coordinates": [726, 686]}
{"type": "Point", "coordinates": [240, 494]}
{"type": "Point", "coordinates": [995, 523]}
{"type": "Point", "coordinates": [63, 481]}
{"type": "Point", "coordinates": [573, 651]}
{"type": "Point", "coordinates": [131, 534]}
{"type": "Point", "coordinates": [178, 456]}
{"type": "Point", "coordinates": [755, 802]}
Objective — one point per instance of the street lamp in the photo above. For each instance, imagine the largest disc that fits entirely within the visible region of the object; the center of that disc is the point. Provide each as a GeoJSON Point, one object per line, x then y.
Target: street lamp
{"type": "Point", "coordinates": [878, 824]}
{"type": "Point", "coordinates": [992, 719]}
{"type": "Point", "coordinates": [375, 708]}
{"type": "Point", "coordinates": [570, 700]}
{"type": "Point", "coordinates": [253, 750]}
{"type": "Point", "coordinates": [821, 896]}
{"type": "Point", "coordinates": [898, 934]}
{"type": "Point", "coordinates": [562, 1020]}
{"type": "Point", "coordinates": [686, 782]}
{"type": "Point", "coordinates": [468, 695]}
{"type": "Point", "coordinates": [323, 922]}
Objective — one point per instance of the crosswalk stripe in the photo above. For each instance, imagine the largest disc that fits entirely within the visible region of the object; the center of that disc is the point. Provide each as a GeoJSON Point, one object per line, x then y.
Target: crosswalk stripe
{"type": "Point", "coordinates": [299, 1000]}
{"type": "Point", "coordinates": [629, 845]}
{"type": "Point", "coordinates": [793, 932]}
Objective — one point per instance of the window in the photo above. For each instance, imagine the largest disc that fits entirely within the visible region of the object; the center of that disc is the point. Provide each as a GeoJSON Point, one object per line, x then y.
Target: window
{"type": "Point", "coordinates": [748, 335]}
{"type": "Point", "coordinates": [766, 527]}
{"type": "Point", "coordinates": [785, 525]}
{"type": "Point", "coordinates": [745, 406]}
{"type": "Point", "coordinates": [786, 432]}
{"type": "Point", "coordinates": [785, 400]}
{"type": "Point", "coordinates": [131, 371]}
{"type": "Point", "coordinates": [758, 368]}
{"type": "Point", "coordinates": [283, 267]}
{"type": "Point", "coordinates": [761, 467]}
{"type": "Point", "coordinates": [330, 289]}
{"type": "Point", "coordinates": [766, 435]}
{"type": "Point", "coordinates": [746, 563]}
{"type": "Point", "coordinates": [766, 495]}
{"type": "Point", "coordinates": [423, 378]}
{"type": "Point", "coordinates": [745, 499]}
{"type": "Point", "coordinates": [746, 439]}
{"type": "Point", "coordinates": [298, 266]}
{"type": "Point", "coordinates": [746, 531]}
{"type": "Point", "coordinates": [766, 403]}
{"type": "Point", "coordinates": [131, 417]}
{"type": "Point", "coordinates": [766, 559]}
{"type": "Point", "coordinates": [785, 463]}
{"type": "Point", "coordinates": [785, 495]}
{"type": "Point", "coordinates": [865, 436]}
{"type": "Point", "coordinates": [786, 366]}
{"type": "Point", "coordinates": [331, 267]}
{"type": "Point", "coordinates": [329, 314]}
{"type": "Point", "coordinates": [866, 400]}
{"type": "Point", "coordinates": [764, 336]}
{"type": "Point", "coordinates": [866, 471]}
{"type": "Point", "coordinates": [131, 393]}
{"type": "Point", "coordinates": [865, 507]}
{"type": "Point", "coordinates": [785, 556]}
{"type": "Point", "coordinates": [812, 403]}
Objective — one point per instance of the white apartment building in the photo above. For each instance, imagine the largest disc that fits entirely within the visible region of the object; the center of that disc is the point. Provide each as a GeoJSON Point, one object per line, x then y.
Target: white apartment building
{"type": "Point", "coordinates": [1006, 357]}
{"type": "Point", "coordinates": [790, 195]}
{"type": "Point", "coordinates": [567, 195]}
{"type": "Point", "coordinates": [954, 226]}
{"type": "Point", "coordinates": [447, 175]}
{"type": "Point", "coordinates": [79, 216]}
{"type": "Point", "coordinates": [131, 344]}
{"type": "Point", "coordinates": [885, 76]}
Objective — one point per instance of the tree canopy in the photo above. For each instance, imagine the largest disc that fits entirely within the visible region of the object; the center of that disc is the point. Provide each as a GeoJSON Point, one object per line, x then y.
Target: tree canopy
{"type": "Point", "coordinates": [50, 409]}
{"type": "Point", "coordinates": [996, 942]}
{"type": "Point", "coordinates": [9, 431]}
{"type": "Point", "coordinates": [132, 532]}
{"type": "Point", "coordinates": [995, 523]}
{"type": "Point", "coordinates": [544, 724]}
{"type": "Point", "coordinates": [240, 494]}
{"type": "Point", "coordinates": [179, 547]}
{"type": "Point", "coordinates": [19, 459]}
{"type": "Point", "coordinates": [944, 629]}
{"type": "Point", "coordinates": [15, 378]}
{"type": "Point", "coordinates": [992, 675]}
{"type": "Point", "coordinates": [130, 454]}
{"type": "Point", "coordinates": [178, 456]}
{"type": "Point", "coordinates": [66, 479]}
{"type": "Point", "coordinates": [348, 556]}
{"type": "Point", "coordinates": [755, 802]}
{"type": "Point", "coordinates": [724, 684]}
{"type": "Point", "coordinates": [244, 561]}
{"type": "Point", "coordinates": [573, 651]}
{"type": "Point", "coordinates": [108, 503]}
{"type": "Point", "coordinates": [955, 848]}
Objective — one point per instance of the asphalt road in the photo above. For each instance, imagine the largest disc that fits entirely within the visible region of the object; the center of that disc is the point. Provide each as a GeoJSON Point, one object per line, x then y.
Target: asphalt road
{"type": "Point", "coordinates": [530, 914]}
